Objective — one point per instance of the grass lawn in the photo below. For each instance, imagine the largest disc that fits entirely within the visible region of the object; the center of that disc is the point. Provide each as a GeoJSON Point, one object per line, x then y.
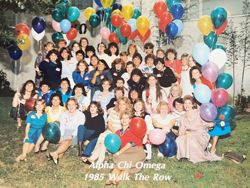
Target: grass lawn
{"type": "Point", "coordinates": [38, 172]}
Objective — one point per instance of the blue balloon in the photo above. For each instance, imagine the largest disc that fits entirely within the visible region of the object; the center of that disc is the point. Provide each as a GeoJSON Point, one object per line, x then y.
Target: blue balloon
{"type": "Point", "coordinates": [218, 16]}
{"type": "Point", "coordinates": [170, 3]}
{"type": "Point", "coordinates": [132, 23]}
{"type": "Point", "coordinates": [15, 52]}
{"type": "Point", "coordinates": [168, 147]}
{"type": "Point", "coordinates": [38, 24]}
{"type": "Point", "coordinates": [116, 6]}
{"type": "Point", "coordinates": [211, 39]}
{"type": "Point", "coordinates": [179, 24]}
{"type": "Point", "coordinates": [201, 53]}
{"type": "Point", "coordinates": [65, 25]}
{"type": "Point", "coordinates": [51, 132]}
{"type": "Point", "coordinates": [226, 113]}
{"type": "Point", "coordinates": [177, 11]}
{"type": "Point", "coordinates": [100, 13]}
{"type": "Point", "coordinates": [202, 93]}
{"type": "Point", "coordinates": [98, 2]}
{"type": "Point", "coordinates": [171, 30]}
{"type": "Point", "coordinates": [112, 142]}
{"type": "Point", "coordinates": [137, 13]}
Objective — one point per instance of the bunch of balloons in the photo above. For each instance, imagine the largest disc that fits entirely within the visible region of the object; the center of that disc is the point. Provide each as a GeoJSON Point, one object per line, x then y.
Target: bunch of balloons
{"type": "Point", "coordinates": [64, 17]}
{"type": "Point", "coordinates": [38, 28]}
{"type": "Point", "coordinates": [119, 23]}
{"type": "Point", "coordinates": [169, 14]}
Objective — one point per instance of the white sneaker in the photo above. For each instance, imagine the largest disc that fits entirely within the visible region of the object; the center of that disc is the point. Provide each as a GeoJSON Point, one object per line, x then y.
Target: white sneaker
{"type": "Point", "coordinates": [160, 155]}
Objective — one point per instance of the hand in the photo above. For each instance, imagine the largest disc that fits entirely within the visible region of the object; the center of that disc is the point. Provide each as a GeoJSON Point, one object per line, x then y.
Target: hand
{"type": "Point", "coordinates": [117, 154]}
{"type": "Point", "coordinates": [37, 69]}
{"type": "Point", "coordinates": [86, 143]}
{"type": "Point", "coordinates": [145, 139]}
{"type": "Point", "coordinates": [210, 126]}
{"type": "Point", "coordinates": [97, 73]}
{"type": "Point", "coordinates": [149, 100]}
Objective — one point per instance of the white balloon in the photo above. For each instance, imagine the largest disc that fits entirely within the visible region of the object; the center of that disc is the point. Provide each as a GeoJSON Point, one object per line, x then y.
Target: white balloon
{"type": "Point", "coordinates": [219, 57]}
{"type": "Point", "coordinates": [37, 36]}
{"type": "Point", "coordinates": [66, 39]}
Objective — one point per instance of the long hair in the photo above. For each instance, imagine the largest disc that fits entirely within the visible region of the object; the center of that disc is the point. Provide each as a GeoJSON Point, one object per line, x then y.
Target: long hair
{"type": "Point", "coordinates": [192, 80]}
{"type": "Point", "coordinates": [81, 87]}
{"type": "Point", "coordinates": [99, 107]}
{"type": "Point", "coordinates": [111, 45]}
{"type": "Point", "coordinates": [157, 85]}
{"type": "Point", "coordinates": [134, 46]}
{"type": "Point", "coordinates": [129, 107]}
{"type": "Point", "coordinates": [23, 88]}
{"type": "Point", "coordinates": [82, 62]}
{"type": "Point", "coordinates": [55, 95]}
{"type": "Point", "coordinates": [143, 111]}
{"type": "Point", "coordinates": [69, 87]}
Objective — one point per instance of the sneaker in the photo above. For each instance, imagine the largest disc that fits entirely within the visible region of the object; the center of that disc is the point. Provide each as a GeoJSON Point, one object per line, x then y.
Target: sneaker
{"type": "Point", "coordinates": [160, 155]}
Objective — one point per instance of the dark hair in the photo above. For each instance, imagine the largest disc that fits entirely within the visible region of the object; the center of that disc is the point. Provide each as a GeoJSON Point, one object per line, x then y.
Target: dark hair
{"type": "Point", "coordinates": [40, 100]}
{"type": "Point", "coordinates": [72, 99]}
{"type": "Point", "coordinates": [158, 87]}
{"type": "Point", "coordinates": [99, 45]}
{"type": "Point", "coordinates": [69, 87]}
{"type": "Point", "coordinates": [89, 48]}
{"type": "Point", "coordinates": [105, 64]}
{"type": "Point", "coordinates": [171, 50]}
{"type": "Point", "coordinates": [123, 53]}
{"type": "Point", "coordinates": [72, 45]}
{"type": "Point", "coordinates": [136, 72]}
{"type": "Point", "coordinates": [119, 89]}
{"type": "Point", "coordinates": [178, 100]}
{"type": "Point", "coordinates": [137, 91]}
{"type": "Point", "coordinates": [133, 45]}
{"type": "Point", "coordinates": [53, 51]}
{"type": "Point", "coordinates": [61, 51]}
{"type": "Point", "coordinates": [192, 81]}
{"type": "Point", "coordinates": [160, 50]}
{"type": "Point", "coordinates": [149, 45]}
{"type": "Point", "coordinates": [130, 63]}
{"type": "Point", "coordinates": [120, 78]}
{"type": "Point", "coordinates": [85, 63]}
{"type": "Point", "coordinates": [55, 95]}
{"type": "Point", "coordinates": [138, 56]}
{"type": "Point", "coordinates": [159, 60]}
{"type": "Point", "coordinates": [47, 43]}
{"type": "Point", "coordinates": [95, 57]}
{"type": "Point", "coordinates": [184, 55]}
{"type": "Point", "coordinates": [106, 80]}
{"type": "Point", "coordinates": [44, 83]}
{"type": "Point", "coordinates": [150, 56]}
{"type": "Point", "coordinates": [79, 86]}
{"type": "Point", "coordinates": [80, 52]}
{"type": "Point", "coordinates": [117, 61]}
{"type": "Point", "coordinates": [33, 92]}
{"type": "Point", "coordinates": [111, 45]}
{"type": "Point", "coordinates": [99, 107]}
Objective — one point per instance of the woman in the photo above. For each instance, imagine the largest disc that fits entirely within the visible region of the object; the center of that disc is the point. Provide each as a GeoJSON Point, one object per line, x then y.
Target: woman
{"type": "Point", "coordinates": [137, 61]}
{"type": "Point", "coordinates": [119, 93]}
{"type": "Point", "coordinates": [35, 122]}
{"type": "Point", "coordinates": [193, 136]}
{"type": "Point", "coordinates": [153, 94]}
{"type": "Point", "coordinates": [74, 48]}
{"type": "Point", "coordinates": [64, 90]}
{"type": "Point", "coordinates": [81, 75]}
{"type": "Point", "coordinates": [94, 60]}
{"type": "Point", "coordinates": [90, 131]}
{"type": "Point", "coordinates": [117, 69]}
{"type": "Point", "coordinates": [126, 75]}
{"type": "Point", "coordinates": [80, 95]}
{"type": "Point", "coordinates": [131, 152]}
{"type": "Point", "coordinates": [113, 53]}
{"type": "Point", "coordinates": [52, 70]}
{"type": "Point", "coordinates": [101, 47]}
{"type": "Point", "coordinates": [175, 92]}
{"type": "Point", "coordinates": [133, 95]}
{"type": "Point", "coordinates": [149, 66]}
{"type": "Point", "coordinates": [90, 51]}
{"type": "Point", "coordinates": [132, 49]}
{"type": "Point", "coordinates": [84, 42]}
{"type": "Point", "coordinates": [19, 110]}
{"type": "Point", "coordinates": [137, 80]}
{"type": "Point", "coordinates": [123, 105]}
{"type": "Point", "coordinates": [69, 122]}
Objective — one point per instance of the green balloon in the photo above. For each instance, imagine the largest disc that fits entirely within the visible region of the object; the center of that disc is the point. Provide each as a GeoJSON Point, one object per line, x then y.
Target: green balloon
{"type": "Point", "coordinates": [62, 8]}
{"type": "Point", "coordinates": [219, 46]}
{"type": "Point", "coordinates": [110, 26]}
{"type": "Point", "coordinates": [218, 16]}
{"type": "Point", "coordinates": [94, 20]}
{"type": "Point", "coordinates": [122, 39]}
{"type": "Point", "coordinates": [56, 37]}
{"type": "Point", "coordinates": [137, 13]}
{"type": "Point", "coordinates": [224, 80]}
{"type": "Point", "coordinates": [211, 39]}
{"type": "Point", "coordinates": [57, 15]}
{"type": "Point", "coordinates": [107, 14]}
{"type": "Point", "coordinates": [73, 13]}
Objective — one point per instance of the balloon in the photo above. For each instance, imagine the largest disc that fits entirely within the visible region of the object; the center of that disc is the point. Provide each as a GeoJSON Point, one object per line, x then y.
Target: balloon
{"type": "Point", "coordinates": [38, 24]}
{"type": "Point", "coordinates": [51, 132]}
{"type": "Point", "coordinates": [170, 3]}
{"type": "Point", "coordinates": [205, 25]}
{"type": "Point", "coordinates": [145, 37]}
{"type": "Point", "coordinates": [171, 30]}
{"type": "Point", "coordinates": [37, 36]}
{"type": "Point", "coordinates": [23, 42]}
{"type": "Point", "coordinates": [226, 113]}
{"type": "Point", "coordinates": [168, 147]}
{"type": "Point", "coordinates": [218, 16]}
{"type": "Point", "coordinates": [88, 12]}
{"type": "Point", "coordinates": [224, 80]}
{"type": "Point", "coordinates": [105, 32]}
{"type": "Point", "coordinates": [132, 23]}
{"type": "Point", "coordinates": [202, 93]}
{"type": "Point", "coordinates": [116, 20]}
{"type": "Point", "coordinates": [208, 112]}
{"type": "Point", "coordinates": [219, 46]}
{"type": "Point", "coordinates": [201, 53]}
{"type": "Point", "coordinates": [100, 13]}
{"type": "Point", "coordinates": [210, 71]}
{"type": "Point", "coordinates": [177, 11]}
{"type": "Point", "coordinates": [164, 20]}
{"type": "Point", "coordinates": [122, 39]}
{"type": "Point", "coordinates": [98, 2]}
{"type": "Point", "coordinates": [73, 13]}
{"type": "Point", "coordinates": [118, 12]}
{"type": "Point", "coordinates": [127, 11]}
{"type": "Point", "coordinates": [157, 136]}
{"type": "Point", "coordinates": [107, 14]}
{"type": "Point", "coordinates": [116, 6]}
{"type": "Point", "coordinates": [114, 38]}
{"type": "Point", "coordinates": [211, 39]}
{"type": "Point", "coordinates": [66, 39]}
{"type": "Point", "coordinates": [106, 3]}
{"type": "Point", "coordinates": [219, 97]}
{"type": "Point", "coordinates": [138, 127]}
{"type": "Point", "coordinates": [22, 28]}
{"type": "Point", "coordinates": [219, 57]}
{"type": "Point", "coordinates": [65, 25]}
{"type": "Point", "coordinates": [179, 25]}
{"type": "Point", "coordinates": [57, 15]}
{"type": "Point", "coordinates": [94, 20]}
{"type": "Point", "coordinates": [142, 25]}
{"type": "Point", "coordinates": [46, 98]}
{"type": "Point", "coordinates": [15, 52]}
{"type": "Point", "coordinates": [125, 30]}
{"type": "Point", "coordinates": [30, 104]}
{"type": "Point", "coordinates": [137, 13]}
{"type": "Point", "coordinates": [56, 37]}
{"type": "Point", "coordinates": [56, 26]}
{"type": "Point", "coordinates": [221, 28]}
{"type": "Point", "coordinates": [112, 142]}
{"type": "Point", "coordinates": [62, 7]}
{"type": "Point", "coordinates": [111, 27]}
{"type": "Point", "coordinates": [159, 8]}
{"type": "Point", "coordinates": [72, 34]}
{"type": "Point", "coordinates": [133, 35]}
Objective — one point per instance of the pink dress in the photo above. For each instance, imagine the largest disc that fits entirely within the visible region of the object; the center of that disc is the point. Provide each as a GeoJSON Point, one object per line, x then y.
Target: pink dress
{"type": "Point", "coordinates": [193, 139]}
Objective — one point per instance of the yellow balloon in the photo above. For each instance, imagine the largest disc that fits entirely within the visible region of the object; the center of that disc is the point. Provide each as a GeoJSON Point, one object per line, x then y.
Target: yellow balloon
{"type": "Point", "coordinates": [117, 11]}
{"type": "Point", "coordinates": [127, 11]}
{"type": "Point", "coordinates": [142, 25]}
{"type": "Point", "coordinates": [106, 3]}
{"type": "Point", "coordinates": [23, 41]}
{"type": "Point", "coordinates": [205, 25]}
{"type": "Point", "coordinates": [88, 12]}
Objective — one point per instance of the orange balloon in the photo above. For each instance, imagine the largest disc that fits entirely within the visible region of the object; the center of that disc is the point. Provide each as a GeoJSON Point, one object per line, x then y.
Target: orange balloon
{"type": "Point", "coordinates": [142, 24]}
{"type": "Point", "coordinates": [22, 28]}
{"type": "Point", "coordinates": [205, 25]}
{"type": "Point", "coordinates": [145, 37]}
{"type": "Point", "coordinates": [159, 8]}
{"type": "Point", "coordinates": [72, 34]}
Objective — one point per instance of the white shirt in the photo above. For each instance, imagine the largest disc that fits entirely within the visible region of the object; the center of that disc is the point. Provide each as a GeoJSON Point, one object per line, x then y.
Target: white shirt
{"type": "Point", "coordinates": [67, 69]}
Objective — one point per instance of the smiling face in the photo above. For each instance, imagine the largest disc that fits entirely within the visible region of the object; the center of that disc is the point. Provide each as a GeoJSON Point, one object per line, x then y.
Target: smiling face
{"type": "Point", "coordinates": [75, 47]}
{"type": "Point", "coordinates": [179, 107]}
{"type": "Point", "coordinates": [82, 67]}
{"type": "Point", "coordinates": [65, 54]}
{"type": "Point", "coordinates": [152, 81]}
{"type": "Point", "coordinates": [150, 62]}
{"type": "Point", "coordinates": [93, 109]}
{"type": "Point", "coordinates": [118, 94]}
{"type": "Point", "coordinates": [72, 106]}
{"type": "Point", "coordinates": [125, 120]}
{"type": "Point", "coordinates": [164, 110]}
{"type": "Point", "coordinates": [78, 91]}
{"type": "Point", "coordinates": [171, 56]}
{"type": "Point", "coordinates": [134, 95]}
{"type": "Point", "coordinates": [138, 106]}
{"type": "Point", "coordinates": [129, 68]}
{"type": "Point", "coordinates": [53, 57]}
{"type": "Point", "coordinates": [44, 88]}
{"type": "Point", "coordinates": [101, 66]}
{"type": "Point", "coordinates": [122, 106]}
{"type": "Point", "coordinates": [137, 61]}
{"type": "Point", "coordinates": [106, 85]}
{"type": "Point", "coordinates": [101, 48]}
{"type": "Point", "coordinates": [94, 61]}
{"type": "Point", "coordinates": [40, 105]}
{"type": "Point", "coordinates": [79, 57]}
{"type": "Point", "coordinates": [113, 50]}
{"type": "Point", "coordinates": [188, 105]}
{"type": "Point", "coordinates": [196, 74]}
{"type": "Point", "coordinates": [84, 43]}
{"type": "Point", "coordinates": [64, 85]}
{"type": "Point", "coordinates": [55, 101]}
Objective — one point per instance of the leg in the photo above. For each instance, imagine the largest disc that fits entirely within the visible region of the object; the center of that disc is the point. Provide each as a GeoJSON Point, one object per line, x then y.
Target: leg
{"type": "Point", "coordinates": [80, 137]}
{"type": "Point", "coordinates": [90, 147]}
{"type": "Point", "coordinates": [19, 122]}
{"type": "Point", "coordinates": [63, 147]}
{"type": "Point", "coordinates": [149, 151]}
{"type": "Point", "coordinates": [113, 176]}
{"type": "Point", "coordinates": [45, 146]}
{"type": "Point", "coordinates": [27, 148]}
{"type": "Point", "coordinates": [38, 143]}
{"type": "Point", "coordinates": [215, 140]}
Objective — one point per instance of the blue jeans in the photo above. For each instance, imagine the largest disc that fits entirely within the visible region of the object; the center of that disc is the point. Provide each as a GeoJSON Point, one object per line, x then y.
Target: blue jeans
{"type": "Point", "coordinates": [84, 134]}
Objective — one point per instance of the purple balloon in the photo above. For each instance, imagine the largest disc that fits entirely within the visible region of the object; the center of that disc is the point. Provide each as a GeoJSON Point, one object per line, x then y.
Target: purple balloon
{"type": "Point", "coordinates": [210, 71]}
{"type": "Point", "coordinates": [208, 112]}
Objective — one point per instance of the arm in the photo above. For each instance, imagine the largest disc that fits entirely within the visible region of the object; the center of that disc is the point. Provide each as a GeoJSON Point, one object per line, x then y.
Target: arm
{"type": "Point", "coordinates": [27, 129]}
{"type": "Point", "coordinates": [126, 147]}
{"type": "Point", "coordinates": [93, 80]}
{"type": "Point", "coordinates": [156, 124]}
{"type": "Point", "coordinates": [15, 100]}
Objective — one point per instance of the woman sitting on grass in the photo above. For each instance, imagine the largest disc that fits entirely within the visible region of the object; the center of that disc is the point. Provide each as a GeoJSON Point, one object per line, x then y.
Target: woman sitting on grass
{"type": "Point", "coordinates": [35, 122]}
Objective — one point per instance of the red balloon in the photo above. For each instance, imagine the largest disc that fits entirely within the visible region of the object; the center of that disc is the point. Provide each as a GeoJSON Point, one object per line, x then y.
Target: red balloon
{"type": "Point", "coordinates": [116, 20]}
{"type": "Point", "coordinates": [133, 35]}
{"type": "Point", "coordinates": [114, 38]}
{"type": "Point", "coordinates": [30, 104]}
{"type": "Point", "coordinates": [164, 20]}
{"type": "Point", "coordinates": [125, 30]}
{"type": "Point", "coordinates": [145, 37]}
{"type": "Point", "coordinates": [219, 97]}
{"type": "Point", "coordinates": [221, 28]}
{"type": "Point", "coordinates": [22, 28]}
{"type": "Point", "coordinates": [138, 127]}
{"type": "Point", "coordinates": [72, 34]}
{"type": "Point", "coordinates": [159, 8]}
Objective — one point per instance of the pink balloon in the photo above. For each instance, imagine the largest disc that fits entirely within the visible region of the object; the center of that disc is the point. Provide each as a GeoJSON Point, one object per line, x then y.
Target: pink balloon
{"type": "Point", "coordinates": [157, 136]}
{"type": "Point", "coordinates": [105, 32]}
{"type": "Point", "coordinates": [219, 97]}
{"type": "Point", "coordinates": [210, 71]}
{"type": "Point", "coordinates": [56, 26]}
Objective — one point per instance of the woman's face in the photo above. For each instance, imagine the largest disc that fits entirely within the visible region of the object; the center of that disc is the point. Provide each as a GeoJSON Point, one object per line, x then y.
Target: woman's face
{"type": "Point", "coordinates": [150, 62]}
{"type": "Point", "coordinates": [175, 91]}
{"type": "Point", "coordinates": [138, 106]}
{"type": "Point", "coordinates": [106, 85]}
{"type": "Point", "coordinates": [164, 110]}
{"type": "Point", "coordinates": [65, 54]}
{"type": "Point", "coordinates": [134, 95]}
{"type": "Point", "coordinates": [55, 101]}
{"type": "Point", "coordinates": [137, 61]}
{"type": "Point", "coordinates": [131, 50]}
{"type": "Point", "coordinates": [170, 56]}
{"type": "Point", "coordinates": [64, 85]}
{"type": "Point", "coordinates": [184, 61]}
{"type": "Point", "coordinates": [101, 48]}
{"type": "Point", "coordinates": [160, 54]}
{"type": "Point", "coordinates": [129, 68]}
{"type": "Point", "coordinates": [90, 53]}
{"type": "Point", "coordinates": [93, 109]}
{"type": "Point", "coordinates": [136, 78]}
{"type": "Point", "coordinates": [71, 106]}
{"type": "Point", "coordinates": [179, 107]}
{"type": "Point", "coordinates": [101, 66]}
{"type": "Point", "coordinates": [119, 83]}
{"type": "Point", "coordinates": [113, 50]}
{"type": "Point", "coordinates": [118, 66]}
{"type": "Point", "coordinates": [45, 88]}
{"type": "Point", "coordinates": [29, 87]}
{"type": "Point", "coordinates": [40, 105]}
{"type": "Point", "coordinates": [159, 66]}
{"type": "Point", "coordinates": [196, 74]}
{"type": "Point", "coordinates": [84, 43]}
{"type": "Point", "coordinates": [53, 57]}
{"type": "Point", "coordinates": [118, 94]}
{"type": "Point", "coordinates": [79, 57]}
{"type": "Point", "coordinates": [191, 62]}
{"type": "Point", "coordinates": [188, 105]}
{"type": "Point", "coordinates": [122, 106]}
{"type": "Point", "coordinates": [75, 47]}
{"type": "Point", "coordinates": [152, 81]}
{"type": "Point", "coordinates": [125, 120]}
{"type": "Point", "coordinates": [78, 91]}
{"type": "Point", "coordinates": [94, 61]}
{"type": "Point", "coordinates": [82, 67]}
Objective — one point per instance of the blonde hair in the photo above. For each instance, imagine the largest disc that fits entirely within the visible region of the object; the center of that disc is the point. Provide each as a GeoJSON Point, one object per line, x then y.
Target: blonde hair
{"type": "Point", "coordinates": [74, 100]}
{"type": "Point", "coordinates": [162, 103]}
{"type": "Point", "coordinates": [129, 106]}
{"type": "Point", "coordinates": [179, 88]}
